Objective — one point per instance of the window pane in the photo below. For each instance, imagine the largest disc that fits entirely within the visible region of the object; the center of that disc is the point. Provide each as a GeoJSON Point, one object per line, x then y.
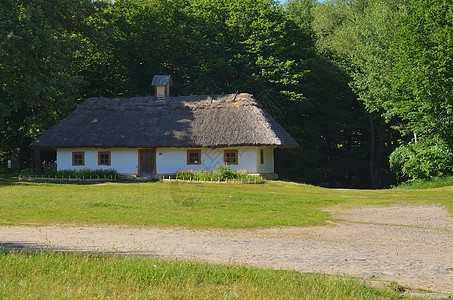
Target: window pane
{"type": "Point", "coordinates": [193, 157]}
{"type": "Point", "coordinates": [231, 157]}
{"type": "Point", "coordinates": [104, 158]}
{"type": "Point", "coordinates": [77, 159]}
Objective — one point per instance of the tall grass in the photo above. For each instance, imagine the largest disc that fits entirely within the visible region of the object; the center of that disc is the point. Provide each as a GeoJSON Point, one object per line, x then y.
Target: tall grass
{"type": "Point", "coordinates": [436, 182]}
{"type": "Point", "coordinates": [81, 276]}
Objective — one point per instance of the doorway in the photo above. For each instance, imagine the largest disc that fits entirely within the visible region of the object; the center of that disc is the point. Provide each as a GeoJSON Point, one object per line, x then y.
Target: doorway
{"type": "Point", "coordinates": [147, 163]}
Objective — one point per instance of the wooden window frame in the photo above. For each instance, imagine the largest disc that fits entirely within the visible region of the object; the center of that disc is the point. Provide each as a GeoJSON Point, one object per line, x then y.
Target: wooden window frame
{"type": "Point", "coordinates": [225, 152]}
{"type": "Point", "coordinates": [109, 158]}
{"type": "Point", "coordinates": [261, 156]}
{"type": "Point", "coordinates": [188, 157]}
{"type": "Point", "coordinates": [73, 158]}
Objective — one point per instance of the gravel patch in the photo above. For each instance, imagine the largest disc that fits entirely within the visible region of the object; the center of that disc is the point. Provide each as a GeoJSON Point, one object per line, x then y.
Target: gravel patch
{"type": "Point", "coordinates": [411, 245]}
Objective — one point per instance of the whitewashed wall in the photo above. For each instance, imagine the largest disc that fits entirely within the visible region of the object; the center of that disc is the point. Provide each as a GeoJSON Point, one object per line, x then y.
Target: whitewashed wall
{"type": "Point", "coordinates": [122, 160]}
{"type": "Point", "coordinates": [170, 160]}
{"type": "Point", "coordinates": [268, 166]}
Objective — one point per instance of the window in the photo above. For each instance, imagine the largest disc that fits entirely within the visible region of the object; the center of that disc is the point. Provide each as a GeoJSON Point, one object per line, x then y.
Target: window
{"type": "Point", "coordinates": [230, 157]}
{"type": "Point", "coordinates": [104, 158]}
{"type": "Point", "coordinates": [78, 158]}
{"type": "Point", "coordinates": [262, 156]}
{"type": "Point", "coordinates": [193, 157]}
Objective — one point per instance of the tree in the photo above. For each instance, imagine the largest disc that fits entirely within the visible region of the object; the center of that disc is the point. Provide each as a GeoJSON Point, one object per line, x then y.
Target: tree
{"type": "Point", "coordinates": [332, 123]}
{"type": "Point", "coordinates": [423, 72]}
{"type": "Point", "coordinates": [39, 84]}
{"type": "Point", "coordinates": [423, 90]}
{"type": "Point", "coordinates": [358, 35]}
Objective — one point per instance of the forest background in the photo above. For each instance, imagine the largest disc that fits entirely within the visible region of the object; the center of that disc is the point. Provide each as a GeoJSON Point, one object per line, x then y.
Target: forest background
{"type": "Point", "coordinates": [365, 87]}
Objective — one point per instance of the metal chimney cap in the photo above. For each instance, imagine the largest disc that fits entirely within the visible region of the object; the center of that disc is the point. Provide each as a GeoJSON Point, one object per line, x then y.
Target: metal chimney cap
{"type": "Point", "coordinates": [161, 80]}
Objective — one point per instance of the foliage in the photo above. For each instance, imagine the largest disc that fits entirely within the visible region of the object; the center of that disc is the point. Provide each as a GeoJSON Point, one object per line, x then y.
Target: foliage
{"type": "Point", "coordinates": [87, 173]}
{"type": "Point", "coordinates": [423, 73]}
{"type": "Point", "coordinates": [78, 276]}
{"type": "Point", "coordinates": [39, 81]}
{"type": "Point", "coordinates": [27, 172]}
{"type": "Point", "coordinates": [358, 36]}
{"type": "Point", "coordinates": [398, 54]}
{"type": "Point", "coordinates": [330, 124]}
{"type": "Point", "coordinates": [306, 62]}
{"type": "Point", "coordinates": [422, 160]}
{"type": "Point", "coordinates": [222, 173]}
{"type": "Point", "coordinates": [49, 168]}
{"type": "Point", "coordinates": [208, 47]}
{"type": "Point", "coordinates": [8, 177]}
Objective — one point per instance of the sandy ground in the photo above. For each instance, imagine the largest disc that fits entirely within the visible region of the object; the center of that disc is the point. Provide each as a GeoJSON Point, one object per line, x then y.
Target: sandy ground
{"type": "Point", "coordinates": [412, 245]}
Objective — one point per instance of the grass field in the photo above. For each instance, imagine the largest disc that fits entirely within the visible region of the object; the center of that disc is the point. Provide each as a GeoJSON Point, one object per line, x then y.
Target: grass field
{"type": "Point", "coordinates": [194, 205]}
{"type": "Point", "coordinates": [58, 275]}
{"type": "Point", "coordinates": [79, 276]}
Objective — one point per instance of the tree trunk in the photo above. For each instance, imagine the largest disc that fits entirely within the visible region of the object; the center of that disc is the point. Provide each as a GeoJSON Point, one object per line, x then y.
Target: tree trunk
{"type": "Point", "coordinates": [376, 151]}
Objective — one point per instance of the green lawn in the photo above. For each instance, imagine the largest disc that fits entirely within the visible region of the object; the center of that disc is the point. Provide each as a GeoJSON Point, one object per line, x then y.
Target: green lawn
{"type": "Point", "coordinates": [79, 276]}
{"type": "Point", "coordinates": [194, 205]}
{"type": "Point", "coordinates": [57, 275]}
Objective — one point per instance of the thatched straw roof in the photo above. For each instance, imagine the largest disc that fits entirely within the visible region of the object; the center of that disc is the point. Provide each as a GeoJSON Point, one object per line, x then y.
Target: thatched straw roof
{"type": "Point", "coordinates": [188, 121]}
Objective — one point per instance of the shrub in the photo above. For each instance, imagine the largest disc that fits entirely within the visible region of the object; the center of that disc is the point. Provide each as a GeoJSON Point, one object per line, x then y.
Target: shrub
{"type": "Point", "coordinates": [27, 172]}
{"type": "Point", "coordinates": [49, 168]}
{"type": "Point", "coordinates": [48, 171]}
{"type": "Point", "coordinates": [422, 160]}
{"type": "Point", "coordinates": [88, 173]}
{"type": "Point", "coordinates": [222, 173]}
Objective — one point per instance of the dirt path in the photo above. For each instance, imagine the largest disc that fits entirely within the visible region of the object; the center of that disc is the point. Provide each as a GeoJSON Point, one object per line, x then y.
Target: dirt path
{"type": "Point", "coordinates": [412, 245]}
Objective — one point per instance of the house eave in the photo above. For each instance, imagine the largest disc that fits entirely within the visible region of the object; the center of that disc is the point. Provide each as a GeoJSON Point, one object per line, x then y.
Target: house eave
{"type": "Point", "coordinates": [39, 147]}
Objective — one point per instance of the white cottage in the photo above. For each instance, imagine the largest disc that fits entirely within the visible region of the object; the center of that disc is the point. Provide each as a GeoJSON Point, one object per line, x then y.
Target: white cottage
{"type": "Point", "coordinates": [157, 136]}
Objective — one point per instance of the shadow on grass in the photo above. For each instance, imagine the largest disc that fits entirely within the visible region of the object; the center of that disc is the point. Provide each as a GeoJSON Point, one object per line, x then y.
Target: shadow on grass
{"type": "Point", "coordinates": [22, 246]}
{"type": "Point", "coordinates": [35, 248]}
